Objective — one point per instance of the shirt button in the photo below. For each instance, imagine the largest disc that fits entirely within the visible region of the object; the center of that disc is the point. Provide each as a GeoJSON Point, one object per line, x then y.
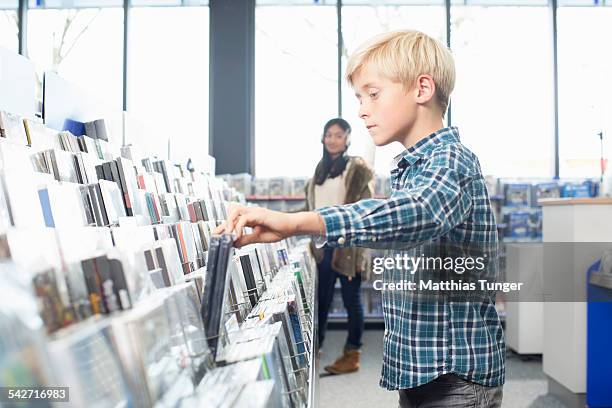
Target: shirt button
{"type": "Point", "coordinates": [341, 241]}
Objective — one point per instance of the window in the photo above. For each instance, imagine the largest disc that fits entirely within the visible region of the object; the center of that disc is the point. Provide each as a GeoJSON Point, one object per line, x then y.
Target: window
{"type": "Point", "coordinates": [8, 25]}
{"type": "Point", "coordinates": [583, 3]}
{"type": "Point", "coordinates": [296, 84]}
{"type": "Point", "coordinates": [168, 78]}
{"type": "Point", "coordinates": [359, 23]}
{"type": "Point", "coordinates": [503, 98]}
{"type": "Point", "coordinates": [501, 2]}
{"type": "Point", "coordinates": [67, 4]}
{"type": "Point", "coordinates": [585, 87]}
{"type": "Point", "coordinates": [84, 46]}
{"type": "Point", "coordinates": [169, 3]}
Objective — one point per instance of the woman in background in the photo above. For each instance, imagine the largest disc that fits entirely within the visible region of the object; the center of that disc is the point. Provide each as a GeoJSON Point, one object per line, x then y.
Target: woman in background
{"type": "Point", "coordinates": [340, 179]}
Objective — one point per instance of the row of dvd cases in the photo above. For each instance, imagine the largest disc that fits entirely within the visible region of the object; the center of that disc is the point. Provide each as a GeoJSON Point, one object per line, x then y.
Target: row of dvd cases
{"type": "Point", "coordinates": [114, 287]}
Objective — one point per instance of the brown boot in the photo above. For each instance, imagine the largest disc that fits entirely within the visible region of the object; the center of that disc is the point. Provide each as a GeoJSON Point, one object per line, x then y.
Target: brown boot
{"type": "Point", "coordinates": [348, 362]}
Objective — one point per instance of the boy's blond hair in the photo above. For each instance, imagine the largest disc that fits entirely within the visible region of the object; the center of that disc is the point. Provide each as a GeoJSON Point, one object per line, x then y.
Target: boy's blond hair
{"type": "Point", "coordinates": [402, 56]}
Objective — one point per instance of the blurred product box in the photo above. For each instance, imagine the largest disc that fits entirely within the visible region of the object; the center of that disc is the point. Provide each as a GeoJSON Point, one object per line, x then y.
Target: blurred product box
{"type": "Point", "coordinates": [299, 186]}
{"type": "Point", "coordinates": [546, 190]}
{"type": "Point", "coordinates": [587, 188]}
{"type": "Point", "coordinates": [279, 187]}
{"type": "Point", "coordinates": [241, 182]}
{"type": "Point", "coordinates": [260, 186]}
{"type": "Point", "coordinates": [518, 194]}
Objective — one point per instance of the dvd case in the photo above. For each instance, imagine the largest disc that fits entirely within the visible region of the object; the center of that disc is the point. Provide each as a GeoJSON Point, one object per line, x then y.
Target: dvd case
{"type": "Point", "coordinates": [40, 137]}
{"type": "Point", "coordinates": [242, 304]}
{"type": "Point", "coordinates": [249, 278]}
{"type": "Point", "coordinates": [186, 299]}
{"type": "Point", "coordinates": [199, 244]}
{"type": "Point", "coordinates": [93, 281]}
{"type": "Point", "coordinates": [216, 287]}
{"type": "Point", "coordinates": [166, 170]}
{"type": "Point", "coordinates": [113, 203]}
{"type": "Point", "coordinates": [54, 312]}
{"type": "Point", "coordinates": [258, 394]}
{"type": "Point", "coordinates": [21, 189]}
{"type": "Point", "coordinates": [96, 129]}
{"type": "Point", "coordinates": [120, 284]}
{"type": "Point", "coordinates": [62, 205]}
{"type": "Point", "coordinates": [181, 204]}
{"type": "Point", "coordinates": [77, 291]}
{"type": "Point", "coordinates": [127, 180]}
{"type": "Point", "coordinates": [12, 127]}
{"type": "Point", "coordinates": [24, 358]}
{"type": "Point", "coordinates": [265, 348]}
{"type": "Point", "coordinates": [169, 261]}
{"type": "Point", "coordinates": [142, 338]}
{"type": "Point", "coordinates": [171, 207]}
{"type": "Point", "coordinates": [87, 363]}
{"type": "Point", "coordinates": [69, 142]}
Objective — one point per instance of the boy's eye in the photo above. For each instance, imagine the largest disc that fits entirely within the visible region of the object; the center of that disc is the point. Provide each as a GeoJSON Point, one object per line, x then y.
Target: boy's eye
{"type": "Point", "coordinates": [373, 94]}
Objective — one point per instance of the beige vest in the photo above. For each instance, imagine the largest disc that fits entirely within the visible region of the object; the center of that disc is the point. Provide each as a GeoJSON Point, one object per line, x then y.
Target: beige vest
{"type": "Point", "coordinates": [357, 182]}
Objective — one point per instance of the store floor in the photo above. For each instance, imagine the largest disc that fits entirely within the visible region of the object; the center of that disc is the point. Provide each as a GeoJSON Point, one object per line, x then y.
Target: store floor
{"type": "Point", "coordinates": [525, 382]}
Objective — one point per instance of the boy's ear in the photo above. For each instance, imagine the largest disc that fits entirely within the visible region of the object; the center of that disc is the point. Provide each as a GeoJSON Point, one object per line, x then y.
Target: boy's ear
{"type": "Point", "coordinates": [426, 88]}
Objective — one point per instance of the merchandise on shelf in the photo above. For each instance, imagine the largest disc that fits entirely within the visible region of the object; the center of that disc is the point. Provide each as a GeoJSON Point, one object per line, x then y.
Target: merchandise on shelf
{"type": "Point", "coordinates": [279, 187]}
{"type": "Point", "coordinates": [130, 295]}
{"type": "Point", "coordinates": [587, 188]}
{"type": "Point", "coordinates": [518, 194]}
{"type": "Point", "coordinates": [241, 182]}
{"type": "Point", "coordinates": [299, 187]}
{"type": "Point", "coordinates": [261, 187]}
{"type": "Point", "coordinates": [546, 190]}
{"type": "Point", "coordinates": [524, 223]}
{"type": "Point", "coordinates": [521, 216]}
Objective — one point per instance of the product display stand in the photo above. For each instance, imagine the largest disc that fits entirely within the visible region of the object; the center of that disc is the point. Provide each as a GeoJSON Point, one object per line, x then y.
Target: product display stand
{"type": "Point", "coordinates": [114, 284]}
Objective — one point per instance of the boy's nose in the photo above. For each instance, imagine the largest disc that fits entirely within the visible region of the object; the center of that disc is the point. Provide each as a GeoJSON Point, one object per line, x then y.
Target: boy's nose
{"type": "Point", "coordinates": [363, 114]}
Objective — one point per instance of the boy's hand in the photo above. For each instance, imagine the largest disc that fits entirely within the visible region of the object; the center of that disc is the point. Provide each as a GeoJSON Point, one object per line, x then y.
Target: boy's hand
{"type": "Point", "coordinates": [268, 225]}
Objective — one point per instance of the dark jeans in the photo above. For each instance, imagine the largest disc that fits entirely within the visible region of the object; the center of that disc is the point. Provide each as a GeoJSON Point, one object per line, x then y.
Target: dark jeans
{"type": "Point", "coordinates": [351, 296]}
{"type": "Point", "coordinates": [451, 391]}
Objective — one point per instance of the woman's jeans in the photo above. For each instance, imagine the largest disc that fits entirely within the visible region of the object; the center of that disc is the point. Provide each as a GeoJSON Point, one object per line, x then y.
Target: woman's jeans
{"type": "Point", "coordinates": [351, 296]}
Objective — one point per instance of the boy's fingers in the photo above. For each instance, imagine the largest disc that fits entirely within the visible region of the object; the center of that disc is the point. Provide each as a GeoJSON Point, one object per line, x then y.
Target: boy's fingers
{"type": "Point", "coordinates": [240, 225]}
{"type": "Point", "coordinates": [245, 240]}
{"type": "Point", "coordinates": [256, 236]}
{"type": "Point", "coordinates": [221, 228]}
{"type": "Point", "coordinates": [247, 219]}
{"type": "Point", "coordinates": [234, 214]}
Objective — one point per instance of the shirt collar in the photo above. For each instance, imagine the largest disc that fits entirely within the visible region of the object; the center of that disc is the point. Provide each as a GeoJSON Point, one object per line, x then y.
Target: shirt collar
{"type": "Point", "coordinates": [409, 156]}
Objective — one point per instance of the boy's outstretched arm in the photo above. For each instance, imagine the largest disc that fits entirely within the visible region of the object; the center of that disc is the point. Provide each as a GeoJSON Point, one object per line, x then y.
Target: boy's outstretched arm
{"type": "Point", "coordinates": [436, 204]}
{"type": "Point", "coordinates": [268, 225]}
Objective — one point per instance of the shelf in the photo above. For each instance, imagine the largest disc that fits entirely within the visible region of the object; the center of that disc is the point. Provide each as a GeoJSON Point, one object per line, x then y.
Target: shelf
{"type": "Point", "coordinates": [520, 240]}
{"type": "Point", "coordinates": [368, 318]}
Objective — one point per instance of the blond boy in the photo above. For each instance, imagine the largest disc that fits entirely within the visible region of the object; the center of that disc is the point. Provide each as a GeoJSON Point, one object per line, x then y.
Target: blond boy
{"type": "Point", "coordinates": [439, 353]}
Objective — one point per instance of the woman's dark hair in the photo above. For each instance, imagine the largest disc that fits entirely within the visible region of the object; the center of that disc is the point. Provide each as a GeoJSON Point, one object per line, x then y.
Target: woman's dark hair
{"type": "Point", "coordinates": [328, 166]}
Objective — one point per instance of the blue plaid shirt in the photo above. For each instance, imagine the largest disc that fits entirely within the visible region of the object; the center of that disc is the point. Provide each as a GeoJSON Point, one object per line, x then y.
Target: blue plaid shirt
{"type": "Point", "coordinates": [438, 195]}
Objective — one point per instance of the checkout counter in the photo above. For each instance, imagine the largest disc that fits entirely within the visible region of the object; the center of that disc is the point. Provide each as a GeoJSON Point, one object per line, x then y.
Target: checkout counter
{"type": "Point", "coordinates": [586, 222]}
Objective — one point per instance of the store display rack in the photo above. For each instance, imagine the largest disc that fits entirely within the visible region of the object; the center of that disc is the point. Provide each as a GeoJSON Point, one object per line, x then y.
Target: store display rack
{"type": "Point", "coordinates": [114, 284]}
